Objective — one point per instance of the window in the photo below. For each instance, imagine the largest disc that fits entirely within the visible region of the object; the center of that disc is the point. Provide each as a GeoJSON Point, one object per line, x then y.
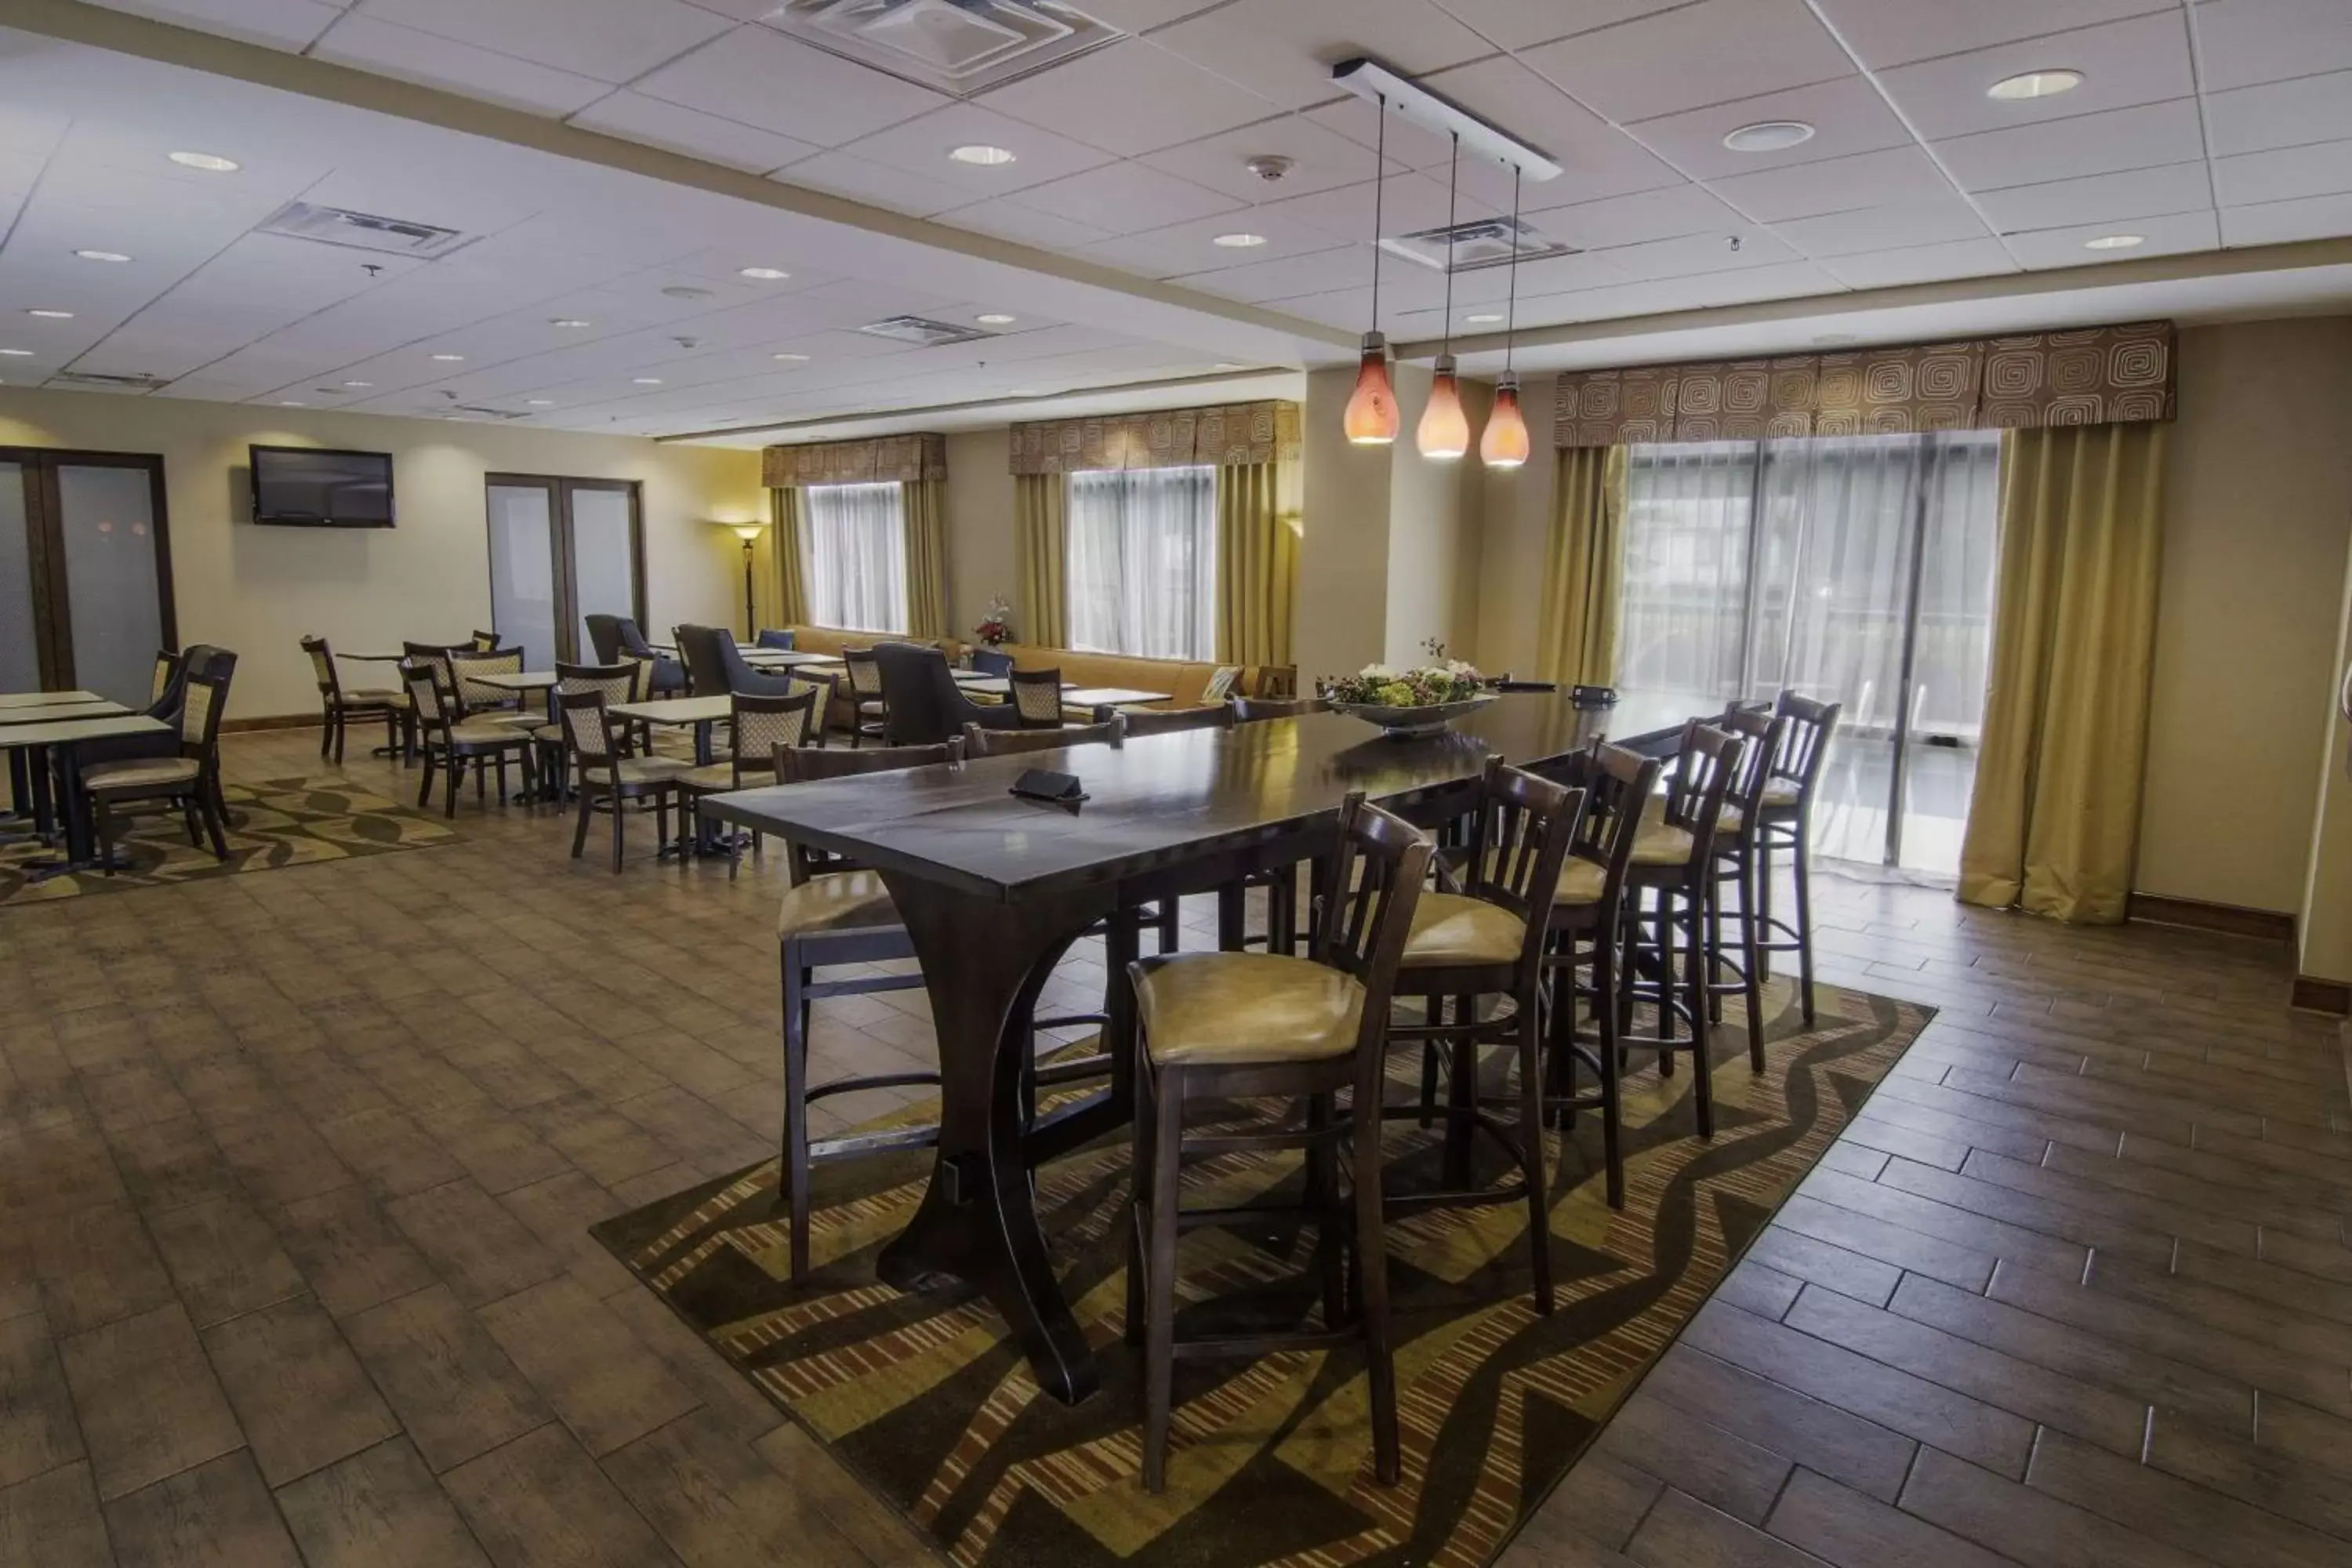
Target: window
{"type": "Point", "coordinates": [1142, 568]}
{"type": "Point", "coordinates": [854, 537]}
{"type": "Point", "coordinates": [1857, 569]}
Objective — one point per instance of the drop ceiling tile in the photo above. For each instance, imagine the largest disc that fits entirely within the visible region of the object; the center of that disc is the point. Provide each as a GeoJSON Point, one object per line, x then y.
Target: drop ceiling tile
{"type": "Point", "coordinates": [2282, 114]}
{"type": "Point", "coordinates": [1132, 16]}
{"type": "Point", "coordinates": [1847, 116]}
{"type": "Point", "coordinates": [678, 129]}
{"type": "Point", "coordinates": [1884, 228]}
{"type": "Point", "coordinates": [1413, 146]}
{"type": "Point", "coordinates": [1692, 254]}
{"type": "Point", "coordinates": [2243, 43]}
{"type": "Point", "coordinates": [2284, 173]}
{"type": "Point", "coordinates": [282, 23]}
{"type": "Point", "coordinates": [843, 174]}
{"type": "Point", "coordinates": [414, 55]}
{"type": "Point", "coordinates": [1009, 219]}
{"type": "Point", "coordinates": [1347, 309]}
{"type": "Point", "coordinates": [1191, 248]}
{"type": "Point", "coordinates": [2099, 198]}
{"type": "Point", "coordinates": [1130, 97]}
{"type": "Point", "coordinates": [760, 78]}
{"type": "Point", "coordinates": [1646, 298]}
{"type": "Point", "coordinates": [1405, 204]}
{"type": "Point", "coordinates": [1651, 215]}
{"type": "Point", "coordinates": [2168, 236]}
{"type": "Point", "coordinates": [1283, 50]}
{"type": "Point", "coordinates": [1597, 159]}
{"type": "Point", "coordinates": [921, 145]}
{"type": "Point", "coordinates": [2104, 144]}
{"type": "Point", "coordinates": [1922, 264]}
{"type": "Point", "coordinates": [1884, 33]}
{"type": "Point", "coordinates": [611, 40]}
{"type": "Point", "coordinates": [1517, 24]}
{"type": "Point", "coordinates": [1320, 159]}
{"type": "Point", "coordinates": [1288, 277]}
{"type": "Point", "coordinates": [2144, 59]}
{"type": "Point", "coordinates": [2277, 223]}
{"type": "Point", "coordinates": [1128, 198]}
{"type": "Point", "coordinates": [1710, 52]}
{"type": "Point", "coordinates": [1835, 184]}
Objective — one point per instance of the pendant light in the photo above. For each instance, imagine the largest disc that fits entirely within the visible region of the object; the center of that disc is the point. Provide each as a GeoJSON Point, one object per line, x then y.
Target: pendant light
{"type": "Point", "coordinates": [1505, 443]}
{"type": "Point", "coordinates": [1371, 417]}
{"type": "Point", "coordinates": [1444, 431]}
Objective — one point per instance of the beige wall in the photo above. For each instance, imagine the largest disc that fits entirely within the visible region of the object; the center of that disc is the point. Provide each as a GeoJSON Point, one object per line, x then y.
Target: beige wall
{"type": "Point", "coordinates": [259, 590]}
{"type": "Point", "coordinates": [1342, 621]}
{"type": "Point", "coordinates": [1433, 525]}
{"type": "Point", "coordinates": [2258, 515]}
{"type": "Point", "coordinates": [2324, 924]}
{"type": "Point", "coordinates": [1515, 521]}
{"type": "Point", "coordinates": [980, 527]}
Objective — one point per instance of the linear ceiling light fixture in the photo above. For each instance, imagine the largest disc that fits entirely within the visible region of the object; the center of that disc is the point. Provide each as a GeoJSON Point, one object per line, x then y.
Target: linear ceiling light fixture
{"type": "Point", "coordinates": [1505, 443]}
{"type": "Point", "coordinates": [1443, 434]}
{"type": "Point", "coordinates": [1369, 80]}
{"type": "Point", "coordinates": [1370, 419]}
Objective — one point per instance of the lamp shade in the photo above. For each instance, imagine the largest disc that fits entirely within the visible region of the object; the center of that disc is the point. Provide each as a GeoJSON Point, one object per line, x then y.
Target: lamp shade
{"type": "Point", "coordinates": [1504, 443]}
{"type": "Point", "coordinates": [1444, 432]}
{"type": "Point", "coordinates": [1372, 418]}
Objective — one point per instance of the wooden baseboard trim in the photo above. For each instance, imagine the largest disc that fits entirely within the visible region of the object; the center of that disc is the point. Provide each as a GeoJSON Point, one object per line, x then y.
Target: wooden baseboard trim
{"type": "Point", "coordinates": [271, 722]}
{"type": "Point", "coordinates": [2314, 995]}
{"type": "Point", "coordinates": [2270, 925]}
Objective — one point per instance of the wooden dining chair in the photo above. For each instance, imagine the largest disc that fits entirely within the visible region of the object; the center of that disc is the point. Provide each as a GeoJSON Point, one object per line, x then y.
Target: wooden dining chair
{"type": "Point", "coordinates": [1216, 1027]}
{"type": "Point", "coordinates": [989, 662]}
{"type": "Point", "coordinates": [1036, 696]}
{"type": "Point", "coordinates": [1251, 710]}
{"type": "Point", "coordinates": [618, 681]}
{"type": "Point", "coordinates": [188, 783]}
{"type": "Point", "coordinates": [757, 726]}
{"type": "Point", "coordinates": [338, 706]}
{"type": "Point", "coordinates": [1487, 945]}
{"type": "Point", "coordinates": [1737, 841]}
{"type": "Point", "coordinates": [1587, 931]}
{"type": "Point", "coordinates": [836, 913]}
{"type": "Point", "coordinates": [1143, 721]}
{"type": "Point", "coordinates": [984, 742]}
{"type": "Point", "coordinates": [1784, 825]}
{"type": "Point", "coordinates": [449, 739]}
{"type": "Point", "coordinates": [869, 707]}
{"type": "Point", "coordinates": [608, 769]}
{"type": "Point", "coordinates": [480, 700]}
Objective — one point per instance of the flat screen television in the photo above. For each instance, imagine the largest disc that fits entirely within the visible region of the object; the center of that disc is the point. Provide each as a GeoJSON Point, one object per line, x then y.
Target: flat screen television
{"type": "Point", "coordinates": [311, 487]}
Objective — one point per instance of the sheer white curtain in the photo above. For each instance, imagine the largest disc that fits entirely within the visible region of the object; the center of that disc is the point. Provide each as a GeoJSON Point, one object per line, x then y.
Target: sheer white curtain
{"type": "Point", "coordinates": [1142, 565]}
{"type": "Point", "coordinates": [854, 538]}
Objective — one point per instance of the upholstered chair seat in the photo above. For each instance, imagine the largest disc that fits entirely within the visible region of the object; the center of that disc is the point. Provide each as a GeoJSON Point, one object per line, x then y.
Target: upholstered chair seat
{"type": "Point", "coordinates": [711, 776]}
{"type": "Point", "coordinates": [639, 770]}
{"type": "Point", "coordinates": [1660, 845]}
{"type": "Point", "coordinates": [1230, 1009]}
{"type": "Point", "coordinates": [139, 772]}
{"type": "Point", "coordinates": [1581, 881]}
{"type": "Point", "coordinates": [836, 901]}
{"type": "Point", "coordinates": [484, 732]}
{"type": "Point", "coordinates": [1453, 929]}
{"type": "Point", "coordinates": [374, 697]}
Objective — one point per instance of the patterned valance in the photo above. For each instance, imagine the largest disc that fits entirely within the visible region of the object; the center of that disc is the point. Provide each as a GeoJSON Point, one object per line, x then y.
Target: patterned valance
{"type": "Point", "coordinates": [910, 459]}
{"type": "Point", "coordinates": [2097, 376]}
{"type": "Point", "coordinates": [1161, 438]}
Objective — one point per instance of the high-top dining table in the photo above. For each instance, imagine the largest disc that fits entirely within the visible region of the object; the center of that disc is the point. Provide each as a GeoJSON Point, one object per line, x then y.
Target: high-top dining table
{"type": "Point", "coordinates": [994, 888]}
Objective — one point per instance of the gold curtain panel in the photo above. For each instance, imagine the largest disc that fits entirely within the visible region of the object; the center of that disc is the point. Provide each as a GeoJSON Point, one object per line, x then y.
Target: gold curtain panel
{"type": "Point", "coordinates": [1160, 438]}
{"type": "Point", "coordinates": [2097, 376]}
{"type": "Point", "coordinates": [906, 459]}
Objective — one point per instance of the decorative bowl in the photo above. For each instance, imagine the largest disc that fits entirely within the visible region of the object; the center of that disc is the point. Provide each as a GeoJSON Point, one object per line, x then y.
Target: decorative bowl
{"type": "Point", "coordinates": [1406, 724]}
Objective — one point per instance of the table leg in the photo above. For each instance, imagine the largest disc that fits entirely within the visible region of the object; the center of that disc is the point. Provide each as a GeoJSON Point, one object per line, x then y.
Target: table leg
{"type": "Point", "coordinates": [983, 963]}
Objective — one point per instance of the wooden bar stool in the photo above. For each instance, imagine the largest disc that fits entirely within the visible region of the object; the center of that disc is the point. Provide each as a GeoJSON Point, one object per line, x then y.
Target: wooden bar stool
{"type": "Point", "coordinates": [1784, 822]}
{"type": "Point", "coordinates": [1587, 928]}
{"type": "Point", "coordinates": [1674, 862]}
{"type": "Point", "coordinates": [1735, 863]}
{"type": "Point", "coordinates": [1220, 1026]}
{"type": "Point", "coordinates": [1489, 942]}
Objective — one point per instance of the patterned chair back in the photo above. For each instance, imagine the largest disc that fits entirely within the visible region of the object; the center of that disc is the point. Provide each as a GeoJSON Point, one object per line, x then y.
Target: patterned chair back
{"type": "Point", "coordinates": [434, 658]}
{"type": "Point", "coordinates": [201, 705]}
{"type": "Point", "coordinates": [322, 666]}
{"type": "Point", "coordinates": [764, 723]}
{"type": "Point", "coordinates": [588, 731]}
{"type": "Point", "coordinates": [485, 642]}
{"type": "Point", "coordinates": [167, 666]}
{"type": "Point", "coordinates": [466, 670]}
{"type": "Point", "coordinates": [618, 682]}
{"type": "Point", "coordinates": [865, 674]}
{"type": "Point", "coordinates": [432, 705]}
{"type": "Point", "coordinates": [1037, 697]}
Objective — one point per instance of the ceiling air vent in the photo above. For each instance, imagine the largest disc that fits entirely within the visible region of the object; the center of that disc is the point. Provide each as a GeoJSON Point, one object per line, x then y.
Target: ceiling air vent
{"type": "Point", "coordinates": [479, 413]}
{"type": "Point", "coordinates": [957, 46]}
{"type": "Point", "coordinates": [96, 381]}
{"type": "Point", "coordinates": [363, 231]}
{"type": "Point", "coordinates": [923, 332]}
{"type": "Point", "coordinates": [1478, 244]}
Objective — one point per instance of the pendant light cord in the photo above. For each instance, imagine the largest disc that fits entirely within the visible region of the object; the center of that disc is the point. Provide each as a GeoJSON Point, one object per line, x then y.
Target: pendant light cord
{"type": "Point", "coordinates": [1452, 184]}
{"type": "Point", "coordinates": [1380, 183]}
{"type": "Point", "coordinates": [1511, 319]}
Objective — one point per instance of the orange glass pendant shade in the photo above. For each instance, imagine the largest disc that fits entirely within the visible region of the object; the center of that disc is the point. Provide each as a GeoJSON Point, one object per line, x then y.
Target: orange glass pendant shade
{"type": "Point", "coordinates": [1444, 432]}
{"type": "Point", "coordinates": [1505, 443]}
{"type": "Point", "coordinates": [1371, 417]}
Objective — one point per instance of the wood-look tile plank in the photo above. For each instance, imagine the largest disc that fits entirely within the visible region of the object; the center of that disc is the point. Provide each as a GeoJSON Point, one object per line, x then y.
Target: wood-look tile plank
{"type": "Point", "coordinates": [1802, 1257]}
{"type": "Point", "coordinates": [718, 1505]}
{"type": "Point", "coordinates": [474, 1243]}
{"type": "Point", "coordinates": [2014, 1245]}
{"type": "Point", "coordinates": [538, 1501]}
{"type": "Point", "coordinates": [350, 1252]}
{"type": "Point", "coordinates": [223, 1258]}
{"type": "Point", "coordinates": [2271, 1479]}
{"type": "Point", "coordinates": [1754, 1287]}
{"type": "Point", "coordinates": [297, 1390]}
{"type": "Point", "coordinates": [97, 1266]}
{"type": "Point", "coordinates": [147, 1400]}
{"type": "Point", "coordinates": [2028, 1526]}
{"type": "Point", "coordinates": [455, 1391]}
{"type": "Point", "coordinates": [37, 1431]}
{"type": "Point", "coordinates": [2168, 1509]}
{"type": "Point", "coordinates": [379, 1507]}
{"type": "Point", "coordinates": [1815, 1435]}
{"type": "Point", "coordinates": [603, 1384]}
{"type": "Point", "coordinates": [52, 1520]}
{"type": "Point", "coordinates": [1898, 1247]}
{"type": "Point", "coordinates": [1691, 1453]}
{"type": "Point", "coordinates": [1682, 1533]}
{"type": "Point", "coordinates": [217, 1515]}
{"type": "Point", "coordinates": [1851, 1530]}
{"type": "Point", "coordinates": [2021, 1194]}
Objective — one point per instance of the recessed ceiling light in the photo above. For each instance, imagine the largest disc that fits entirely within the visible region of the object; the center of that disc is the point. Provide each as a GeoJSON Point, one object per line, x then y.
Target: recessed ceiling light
{"type": "Point", "coordinates": [568, 321]}
{"type": "Point", "coordinates": [764, 274]}
{"type": "Point", "coordinates": [1239, 241]}
{"type": "Point", "coordinates": [540, 402]}
{"type": "Point", "coordinates": [288, 402]}
{"type": "Point", "coordinates": [791, 359]}
{"type": "Point", "coordinates": [982, 154]}
{"type": "Point", "coordinates": [1768, 136]}
{"type": "Point", "coordinates": [2035, 84]}
{"type": "Point", "coordinates": [1483, 317]}
{"type": "Point", "coordinates": [995, 319]}
{"type": "Point", "coordinates": [211, 164]}
{"type": "Point", "coordinates": [102, 256]}
{"type": "Point", "coordinates": [18, 354]}
{"type": "Point", "coordinates": [645, 381]}
{"type": "Point", "coordinates": [359, 384]}
{"type": "Point", "coordinates": [52, 315]}
{"type": "Point", "coordinates": [2115, 242]}
{"type": "Point", "coordinates": [450, 359]}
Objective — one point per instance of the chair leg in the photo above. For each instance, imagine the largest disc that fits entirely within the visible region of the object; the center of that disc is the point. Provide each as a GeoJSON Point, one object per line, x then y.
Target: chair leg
{"type": "Point", "coordinates": [1372, 1288]}
{"type": "Point", "coordinates": [1800, 868]}
{"type": "Point", "coordinates": [1160, 1278]}
{"type": "Point", "coordinates": [342, 723]}
{"type": "Point", "coordinates": [1461, 1097]}
{"type": "Point", "coordinates": [188, 819]}
{"type": "Point", "coordinates": [579, 828]}
{"type": "Point", "coordinates": [1665, 950]}
{"type": "Point", "coordinates": [1325, 1194]}
{"type": "Point", "coordinates": [325, 733]}
{"type": "Point", "coordinates": [1140, 1122]}
{"type": "Point", "coordinates": [1531, 1151]}
{"type": "Point", "coordinates": [425, 785]}
{"type": "Point", "coordinates": [215, 820]}
{"type": "Point", "coordinates": [617, 813]}
{"type": "Point", "coordinates": [1694, 981]}
{"type": "Point", "coordinates": [454, 766]}
{"type": "Point", "coordinates": [1751, 958]}
{"type": "Point", "coordinates": [103, 820]}
{"type": "Point", "coordinates": [796, 1139]}
{"type": "Point", "coordinates": [1611, 1055]}
{"type": "Point", "coordinates": [1763, 873]}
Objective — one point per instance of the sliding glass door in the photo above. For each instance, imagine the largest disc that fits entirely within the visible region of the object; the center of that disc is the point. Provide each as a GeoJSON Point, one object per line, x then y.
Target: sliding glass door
{"type": "Point", "coordinates": [561, 550]}
{"type": "Point", "coordinates": [1853, 569]}
{"type": "Point", "coordinates": [85, 572]}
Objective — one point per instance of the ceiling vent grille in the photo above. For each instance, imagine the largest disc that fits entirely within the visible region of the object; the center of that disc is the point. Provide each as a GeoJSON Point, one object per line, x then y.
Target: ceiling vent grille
{"type": "Point", "coordinates": [363, 231]}
{"type": "Point", "coordinates": [1476, 244]}
{"type": "Point", "coordinates": [98, 381]}
{"type": "Point", "coordinates": [479, 413]}
{"type": "Point", "coordinates": [957, 46]}
{"type": "Point", "coordinates": [923, 332]}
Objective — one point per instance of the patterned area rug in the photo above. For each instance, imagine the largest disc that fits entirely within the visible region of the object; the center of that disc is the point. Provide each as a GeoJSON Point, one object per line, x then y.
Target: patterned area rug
{"type": "Point", "coordinates": [925, 1398]}
{"type": "Point", "coordinates": [271, 823]}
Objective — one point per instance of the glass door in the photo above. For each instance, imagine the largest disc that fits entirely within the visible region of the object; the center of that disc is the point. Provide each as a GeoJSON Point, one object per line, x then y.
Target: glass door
{"type": "Point", "coordinates": [561, 550]}
{"type": "Point", "coordinates": [85, 572]}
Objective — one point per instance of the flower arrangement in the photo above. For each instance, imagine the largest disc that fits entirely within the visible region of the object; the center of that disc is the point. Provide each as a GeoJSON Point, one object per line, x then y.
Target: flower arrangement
{"type": "Point", "coordinates": [996, 628]}
{"type": "Point", "coordinates": [1441, 680]}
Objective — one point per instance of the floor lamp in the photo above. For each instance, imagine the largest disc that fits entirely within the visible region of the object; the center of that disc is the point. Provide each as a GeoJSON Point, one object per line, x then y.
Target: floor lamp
{"type": "Point", "coordinates": [748, 532]}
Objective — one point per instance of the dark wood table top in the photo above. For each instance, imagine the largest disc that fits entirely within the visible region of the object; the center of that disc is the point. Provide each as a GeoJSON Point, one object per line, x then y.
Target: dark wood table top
{"type": "Point", "coordinates": [1162, 799]}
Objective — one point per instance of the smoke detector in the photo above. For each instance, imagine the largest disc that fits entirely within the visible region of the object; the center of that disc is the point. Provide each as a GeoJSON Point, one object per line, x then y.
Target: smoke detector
{"type": "Point", "coordinates": [955, 47]}
{"type": "Point", "coordinates": [1475, 246]}
{"type": "Point", "coordinates": [1270, 165]}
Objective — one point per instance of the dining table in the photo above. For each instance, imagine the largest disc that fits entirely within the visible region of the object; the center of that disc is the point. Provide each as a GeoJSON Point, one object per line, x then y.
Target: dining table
{"type": "Point", "coordinates": [33, 743]}
{"type": "Point", "coordinates": [42, 699]}
{"type": "Point", "coordinates": [994, 888]}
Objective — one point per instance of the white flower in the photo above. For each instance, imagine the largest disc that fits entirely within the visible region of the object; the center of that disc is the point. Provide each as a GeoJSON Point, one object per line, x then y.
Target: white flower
{"type": "Point", "coordinates": [1377, 672]}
